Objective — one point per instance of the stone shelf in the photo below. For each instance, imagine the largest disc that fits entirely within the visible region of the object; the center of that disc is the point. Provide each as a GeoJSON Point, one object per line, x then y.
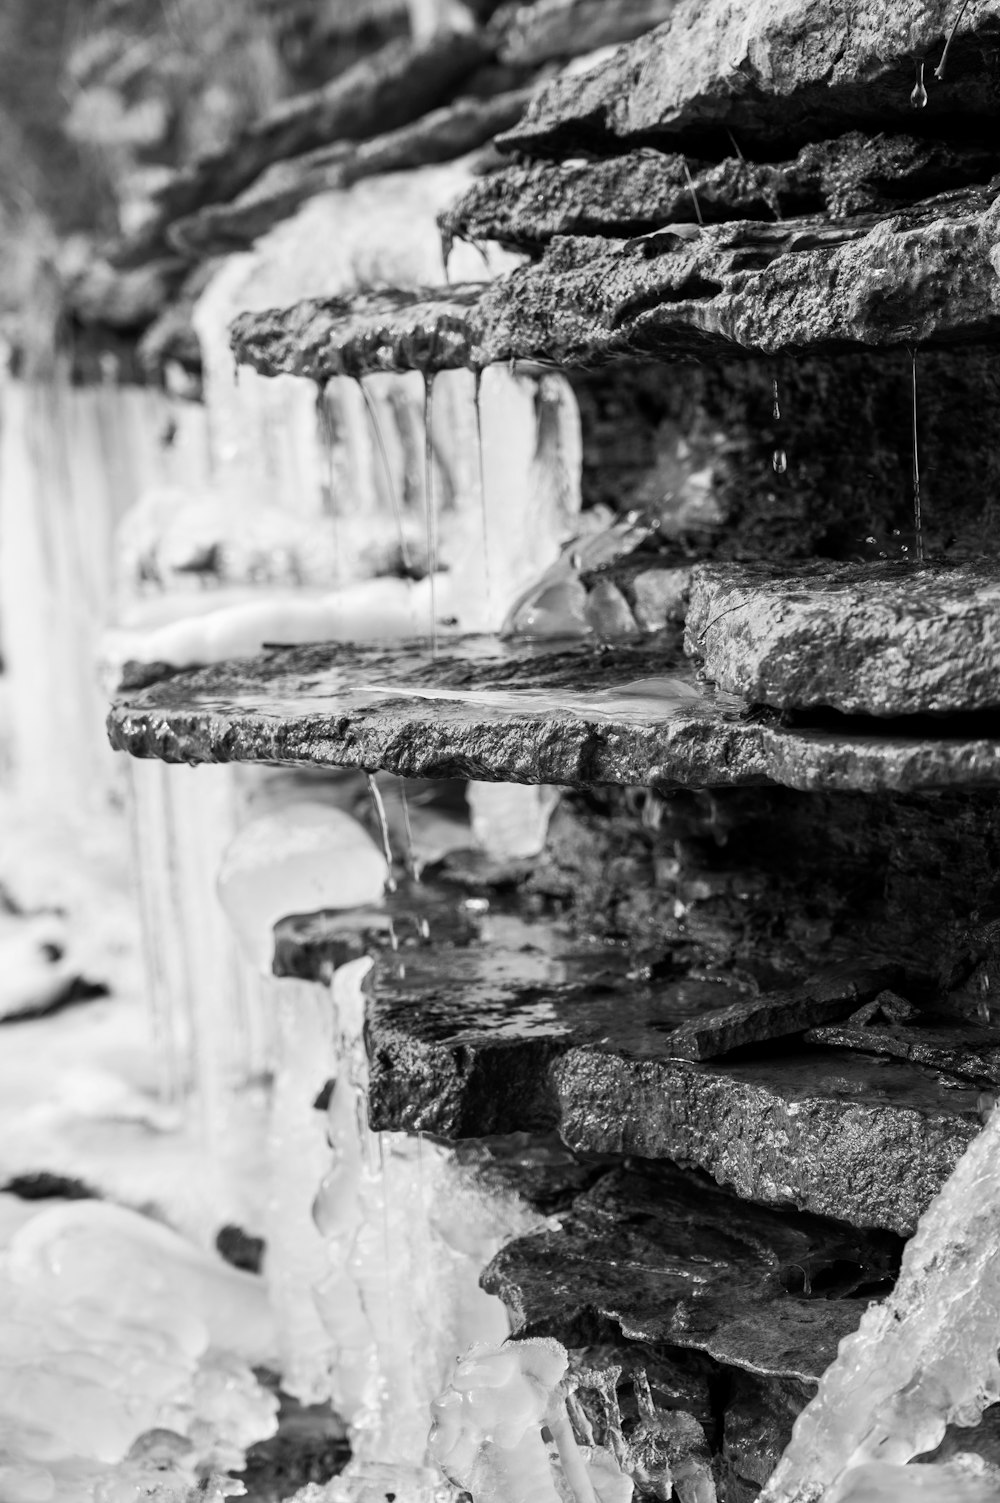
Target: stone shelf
{"type": "Point", "coordinates": [578, 717]}
{"type": "Point", "coordinates": [921, 275]}
{"type": "Point", "coordinates": [792, 74]}
{"type": "Point", "coordinates": [886, 639]}
{"type": "Point", "coordinates": [662, 1256]}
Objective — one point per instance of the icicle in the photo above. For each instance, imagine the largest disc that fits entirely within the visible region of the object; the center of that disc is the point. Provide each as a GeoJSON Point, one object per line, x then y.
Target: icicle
{"type": "Point", "coordinates": [376, 427]}
{"type": "Point", "coordinates": [430, 513]}
{"type": "Point", "coordinates": [939, 71]}
{"type": "Point", "coordinates": [917, 518]}
{"type": "Point", "coordinates": [412, 864]}
{"type": "Point", "coordinates": [383, 826]}
{"type": "Point", "coordinates": [924, 1358]}
{"type": "Point", "coordinates": [691, 189]}
{"type": "Point", "coordinates": [483, 509]}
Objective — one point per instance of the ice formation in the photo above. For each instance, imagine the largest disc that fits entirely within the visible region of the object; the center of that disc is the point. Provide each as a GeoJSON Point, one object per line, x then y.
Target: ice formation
{"type": "Point", "coordinates": [967, 1479]}
{"type": "Point", "coordinates": [112, 1327]}
{"type": "Point", "coordinates": [300, 857]}
{"type": "Point", "coordinates": [924, 1358]}
{"type": "Point", "coordinates": [487, 1435]}
{"type": "Point", "coordinates": [510, 820]}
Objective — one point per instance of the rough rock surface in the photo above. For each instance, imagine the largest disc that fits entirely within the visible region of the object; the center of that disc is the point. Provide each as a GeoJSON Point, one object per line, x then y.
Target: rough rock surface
{"type": "Point", "coordinates": [532, 1030]}
{"type": "Point", "coordinates": [527, 204]}
{"type": "Point", "coordinates": [440, 136]}
{"type": "Point", "coordinates": [783, 70]}
{"type": "Point", "coordinates": [924, 275]}
{"type": "Point", "coordinates": [830, 998]}
{"type": "Point", "coordinates": [550, 30]}
{"type": "Point", "coordinates": [628, 715]}
{"type": "Point", "coordinates": [886, 639]}
{"type": "Point", "coordinates": [379, 93]}
{"type": "Point", "coordinates": [661, 1255]}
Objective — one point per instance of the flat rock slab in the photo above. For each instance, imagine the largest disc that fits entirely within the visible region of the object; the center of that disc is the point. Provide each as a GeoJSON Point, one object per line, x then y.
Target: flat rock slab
{"type": "Point", "coordinates": [517, 713]}
{"type": "Point", "coordinates": [964, 1051]}
{"type": "Point", "coordinates": [828, 999]}
{"type": "Point", "coordinates": [924, 274]}
{"type": "Point", "coordinates": [786, 70]}
{"type": "Point", "coordinates": [663, 1256]}
{"type": "Point", "coordinates": [864, 639]}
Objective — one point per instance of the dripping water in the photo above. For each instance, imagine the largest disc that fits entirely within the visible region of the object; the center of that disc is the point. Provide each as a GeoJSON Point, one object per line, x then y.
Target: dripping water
{"type": "Point", "coordinates": [397, 511]}
{"type": "Point", "coordinates": [326, 440]}
{"type": "Point", "coordinates": [779, 459]}
{"type": "Point", "coordinates": [483, 517]}
{"type": "Point", "coordinates": [411, 859]}
{"type": "Point", "coordinates": [693, 193]}
{"type": "Point", "coordinates": [383, 827]}
{"type": "Point", "coordinates": [939, 70]}
{"type": "Point", "coordinates": [918, 98]}
{"type": "Point", "coordinates": [429, 514]}
{"type": "Point", "coordinates": [736, 145]}
{"type": "Point", "coordinates": [917, 518]}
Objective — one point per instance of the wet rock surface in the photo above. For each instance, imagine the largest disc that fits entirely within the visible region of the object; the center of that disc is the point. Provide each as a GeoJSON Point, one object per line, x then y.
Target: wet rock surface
{"type": "Point", "coordinates": [881, 639]}
{"type": "Point", "coordinates": [785, 72]}
{"type": "Point", "coordinates": [923, 275]}
{"type": "Point", "coordinates": [629, 715]}
{"type": "Point", "coordinates": [662, 1256]}
{"type": "Point", "coordinates": [547, 30]}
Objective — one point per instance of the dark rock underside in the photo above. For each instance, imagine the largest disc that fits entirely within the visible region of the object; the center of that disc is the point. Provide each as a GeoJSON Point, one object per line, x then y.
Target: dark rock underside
{"type": "Point", "coordinates": [578, 718]}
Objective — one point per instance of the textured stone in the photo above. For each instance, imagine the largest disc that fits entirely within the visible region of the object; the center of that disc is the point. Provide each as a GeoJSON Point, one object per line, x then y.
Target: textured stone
{"type": "Point", "coordinates": [531, 1029]}
{"type": "Point", "coordinates": [962, 1050]}
{"type": "Point", "coordinates": [527, 204]}
{"type": "Point", "coordinates": [379, 93]}
{"type": "Point", "coordinates": [870, 639]}
{"type": "Point", "coordinates": [870, 1140]}
{"type": "Point", "coordinates": [485, 710]}
{"type": "Point", "coordinates": [924, 275]}
{"type": "Point", "coordinates": [827, 999]}
{"type": "Point", "coordinates": [662, 1256]}
{"type": "Point", "coordinates": [441, 136]}
{"type": "Point", "coordinates": [550, 30]}
{"type": "Point", "coordinates": [785, 70]}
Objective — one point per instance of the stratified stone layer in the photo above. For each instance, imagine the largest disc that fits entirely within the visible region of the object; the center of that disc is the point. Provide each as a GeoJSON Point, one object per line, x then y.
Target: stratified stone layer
{"type": "Point", "coordinates": [868, 639]}
{"type": "Point", "coordinates": [627, 715]}
{"type": "Point", "coordinates": [781, 71]}
{"type": "Point", "coordinates": [924, 275]}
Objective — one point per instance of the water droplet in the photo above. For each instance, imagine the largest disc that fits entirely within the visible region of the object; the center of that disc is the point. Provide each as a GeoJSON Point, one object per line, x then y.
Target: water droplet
{"type": "Point", "coordinates": [871, 541]}
{"type": "Point", "coordinates": [918, 98]}
{"type": "Point", "coordinates": [895, 532]}
{"type": "Point", "coordinates": [576, 561]}
{"type": "Point", "coordinates": [883, 555]}
{"type": "Point", "coordinates": [780, 461]}
{"type": "Point", "coordinates": [903, 548]}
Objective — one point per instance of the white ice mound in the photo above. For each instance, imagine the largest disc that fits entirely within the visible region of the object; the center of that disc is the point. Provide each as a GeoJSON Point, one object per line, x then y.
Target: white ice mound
{"type": "Point", "coordinates": [967, 1479]}
{"type": "Point", "coordinates": [300, 858]}
{"type": "Point", "coordinates": [113, 1330]}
